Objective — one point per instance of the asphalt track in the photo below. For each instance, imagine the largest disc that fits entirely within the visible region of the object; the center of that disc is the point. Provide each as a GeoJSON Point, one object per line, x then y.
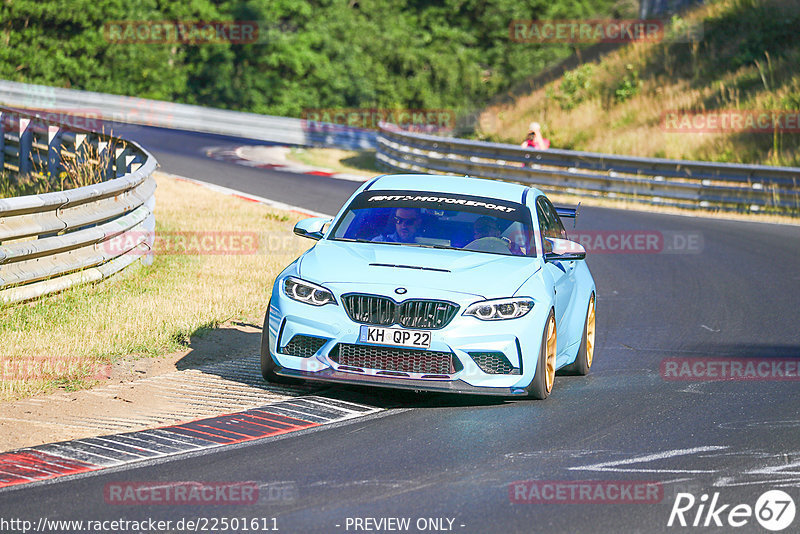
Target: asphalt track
{"type": "Point", "coordinates": [735, 295]}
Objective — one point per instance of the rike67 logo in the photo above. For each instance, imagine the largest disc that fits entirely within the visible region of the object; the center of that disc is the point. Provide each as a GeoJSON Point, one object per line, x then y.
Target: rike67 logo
{"type": "Point", "coordinates": [774, 510]}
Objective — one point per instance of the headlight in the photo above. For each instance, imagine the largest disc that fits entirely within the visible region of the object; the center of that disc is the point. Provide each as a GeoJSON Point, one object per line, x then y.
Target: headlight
{"type": "Point", "coordinates": [495, 310]}
{"type": "Point", "coordinates": [307, 292]}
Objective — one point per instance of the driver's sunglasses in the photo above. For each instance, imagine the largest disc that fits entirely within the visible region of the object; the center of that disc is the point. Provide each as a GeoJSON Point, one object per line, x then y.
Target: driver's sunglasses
{"type": "Point", "coordinates": [403, 221]}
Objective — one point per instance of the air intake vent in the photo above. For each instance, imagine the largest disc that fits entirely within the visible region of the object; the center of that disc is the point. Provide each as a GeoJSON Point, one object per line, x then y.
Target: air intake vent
{"type": "Point", "coordinates": [395, 359]}
{"type": "Point", "coordinates": [303, 346]}
{"type": "Point", "coordinates": [494, 363]}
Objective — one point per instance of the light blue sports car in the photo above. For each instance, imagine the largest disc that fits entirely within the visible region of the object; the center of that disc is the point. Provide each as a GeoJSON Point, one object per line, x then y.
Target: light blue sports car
{"type": "Point", "coordinates": [436, 283]}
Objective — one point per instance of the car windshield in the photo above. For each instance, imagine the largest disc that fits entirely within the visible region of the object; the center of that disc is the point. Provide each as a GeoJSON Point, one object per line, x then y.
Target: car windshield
{"type": "Point", "coordinates": [437, 220]}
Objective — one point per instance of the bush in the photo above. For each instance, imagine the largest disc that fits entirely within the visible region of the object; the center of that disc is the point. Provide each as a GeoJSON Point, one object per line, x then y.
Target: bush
{"type": "Point", "coordinates": [628, 86]}
{"type": "Point", "coordinates": [576, 86]}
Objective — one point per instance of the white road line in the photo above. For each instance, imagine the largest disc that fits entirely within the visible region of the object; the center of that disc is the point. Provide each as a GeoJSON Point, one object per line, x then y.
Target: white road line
{"type": "Point", "coordinates": [728, 482]}
{"type": "Point", "coordinates": [612, 465]}
{"type": "Point", "coordinates": [775, 470]}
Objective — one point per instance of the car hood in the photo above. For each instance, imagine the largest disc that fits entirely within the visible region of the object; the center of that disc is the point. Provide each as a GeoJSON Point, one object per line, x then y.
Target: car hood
{"type": "Point", "coordinates": [474, 273]}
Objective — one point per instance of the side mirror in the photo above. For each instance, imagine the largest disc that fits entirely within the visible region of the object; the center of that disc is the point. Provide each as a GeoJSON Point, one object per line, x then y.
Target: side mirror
{"type": "Point", "coordinates": [312, 228]}
{"type": "Point", "coordinates": [563, 249]}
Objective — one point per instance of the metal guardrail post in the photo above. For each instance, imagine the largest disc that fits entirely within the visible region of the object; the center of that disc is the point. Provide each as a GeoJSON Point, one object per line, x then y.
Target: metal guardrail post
{"type": "Point", "coordinates": [122, 160]}
{"type": "Point", "coordinates": [81, 149]}
{"type": "Point", "coordinates": [25, 144]}
{"type": "Point", "coordinates": [54, 134]}
{"type": "Point", "coordinates": [135, 161]}
{"type": "Point", "coordinates": [105, 150]}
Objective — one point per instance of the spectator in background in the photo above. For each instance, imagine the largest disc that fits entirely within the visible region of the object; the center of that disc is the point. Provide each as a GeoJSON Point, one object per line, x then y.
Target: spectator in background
{"type": "Point", "coordinates": [534, 139]}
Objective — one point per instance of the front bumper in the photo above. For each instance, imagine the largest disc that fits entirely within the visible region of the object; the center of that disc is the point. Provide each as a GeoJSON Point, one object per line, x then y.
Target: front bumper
{"type": "Point", "coordinates": [518, 340]}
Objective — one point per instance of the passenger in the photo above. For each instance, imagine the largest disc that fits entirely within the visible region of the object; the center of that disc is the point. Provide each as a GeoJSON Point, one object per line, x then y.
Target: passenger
{"type": "Point", "coordinates": [486, 227]}
{"type": "Point", "coordinates": [407, 224]}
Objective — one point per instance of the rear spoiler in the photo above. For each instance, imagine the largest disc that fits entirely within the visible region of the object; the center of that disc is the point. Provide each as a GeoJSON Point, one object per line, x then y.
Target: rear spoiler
{"type": "Point", "coordinates": [569, 213]}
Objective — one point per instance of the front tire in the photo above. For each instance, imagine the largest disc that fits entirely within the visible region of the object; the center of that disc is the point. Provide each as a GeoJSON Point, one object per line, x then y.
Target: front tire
{"type": "Point", "coordinates": [542, 383]}
{"type": "Point", "coordinates": [583, 362]}
{"type": "Point", "coordinates": [268, 365]}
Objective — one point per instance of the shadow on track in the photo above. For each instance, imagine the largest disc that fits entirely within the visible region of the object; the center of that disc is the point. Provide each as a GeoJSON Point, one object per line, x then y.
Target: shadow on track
{"type": "Point", "coordinates": [233, 355]}
{"type": "Point", "coordinates": [746, 350]}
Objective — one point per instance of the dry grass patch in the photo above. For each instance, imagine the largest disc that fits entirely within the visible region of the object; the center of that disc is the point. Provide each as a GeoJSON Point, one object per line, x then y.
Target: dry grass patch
{"type": "Point", "coordinates": [745, 59]}
{"type": "Point", "coordinates": [358, 162]}
{"type": "Point", "coordinates": [74, 174]}
{"type": "Point", "coordinates": [155, 309]}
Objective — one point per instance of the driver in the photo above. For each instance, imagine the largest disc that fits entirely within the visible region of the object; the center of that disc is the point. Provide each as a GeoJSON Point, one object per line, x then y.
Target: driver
{"type": "Point", "coordinates": [407, 224]}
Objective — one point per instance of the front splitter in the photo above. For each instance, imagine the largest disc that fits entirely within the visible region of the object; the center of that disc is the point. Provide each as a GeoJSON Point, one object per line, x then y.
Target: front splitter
{"type": "Point", "coordinates": [439, 386]}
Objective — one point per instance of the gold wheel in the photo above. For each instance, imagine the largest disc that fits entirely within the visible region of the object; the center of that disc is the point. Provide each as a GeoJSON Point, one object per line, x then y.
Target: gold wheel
{"type": "Point", "coordinates": [550, 363]}
{"type": "Point", "coordinates": [590, 332]}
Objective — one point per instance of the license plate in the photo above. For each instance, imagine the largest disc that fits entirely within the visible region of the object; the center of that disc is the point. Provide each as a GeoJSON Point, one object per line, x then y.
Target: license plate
{"type": "Point", "coordinates": [398, 337]}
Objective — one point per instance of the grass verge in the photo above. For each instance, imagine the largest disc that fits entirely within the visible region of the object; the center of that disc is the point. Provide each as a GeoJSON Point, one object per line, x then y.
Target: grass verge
{"type": "Point", "coordinates": [62, 340]}
{"type": "Point", "coordinates": [744, 57]}
{"type": "Point", "coordinates": [359, 162]}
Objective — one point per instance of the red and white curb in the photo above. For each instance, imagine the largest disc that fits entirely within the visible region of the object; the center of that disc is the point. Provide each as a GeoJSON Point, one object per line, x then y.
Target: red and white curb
{"type": "Point", "coordinates": [44, 462]}
{"type": "Point", "coordinates": [276, 161]}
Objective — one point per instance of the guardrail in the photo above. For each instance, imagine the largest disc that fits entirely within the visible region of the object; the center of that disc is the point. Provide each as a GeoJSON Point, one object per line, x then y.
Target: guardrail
{"type": "Point", "coordinates": [142, 111]}
{"type": "Point", "coordinates": [687, 184]}
{"type": "Point", "coordinates": [52, 241]}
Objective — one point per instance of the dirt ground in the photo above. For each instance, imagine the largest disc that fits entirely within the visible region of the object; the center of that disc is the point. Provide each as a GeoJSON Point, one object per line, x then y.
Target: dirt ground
{"type": "Point", "coordinates": [216, 374]}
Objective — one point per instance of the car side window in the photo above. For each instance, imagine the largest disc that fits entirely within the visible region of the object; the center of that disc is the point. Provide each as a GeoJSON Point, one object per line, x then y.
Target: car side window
{"type": "Point", "coordinates": [544, 229]}
{"type": "Point", "coordinates": [549, 222]}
